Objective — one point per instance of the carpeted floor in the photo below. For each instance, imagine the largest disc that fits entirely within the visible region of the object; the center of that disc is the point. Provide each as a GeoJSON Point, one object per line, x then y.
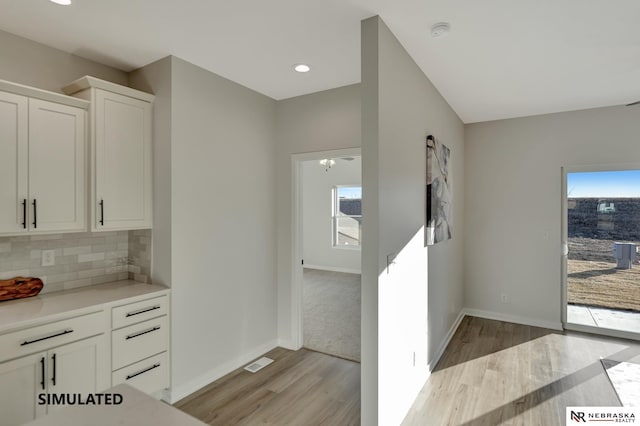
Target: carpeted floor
{"type": "Point", "coordinates": [332, 313]}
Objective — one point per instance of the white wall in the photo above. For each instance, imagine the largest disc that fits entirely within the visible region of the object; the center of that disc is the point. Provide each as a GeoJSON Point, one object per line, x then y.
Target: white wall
{"type": "Point", "coordinates": [409, 307]}
{"type": "Point", "coordinates": [513, 204]}
{"type": "Point", "coordinates": [320, 121]}
{"type": "Point", "coordinates": [34, 64]}
{"type": "Point", "coordinates": [317, 210]}
{"type": "Point", "coordinates": [222, 223]}
{"type": "Point", "coordinates": [156, 78]}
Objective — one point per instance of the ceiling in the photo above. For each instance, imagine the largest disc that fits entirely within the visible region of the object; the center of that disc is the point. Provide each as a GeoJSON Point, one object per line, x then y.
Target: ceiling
{"type": "Point", "coordinates": [502, 59]}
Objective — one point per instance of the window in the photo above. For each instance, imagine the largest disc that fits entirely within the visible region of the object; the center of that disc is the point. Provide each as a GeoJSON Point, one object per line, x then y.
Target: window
{"type": "Point", "coordinates": [347, 216]}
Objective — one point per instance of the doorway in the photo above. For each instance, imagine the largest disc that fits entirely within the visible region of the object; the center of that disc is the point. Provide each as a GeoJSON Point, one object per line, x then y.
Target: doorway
{"type": "Point", "coordinates": [601, 238]}
{"type": "Point", "coordinates": [327, 261]}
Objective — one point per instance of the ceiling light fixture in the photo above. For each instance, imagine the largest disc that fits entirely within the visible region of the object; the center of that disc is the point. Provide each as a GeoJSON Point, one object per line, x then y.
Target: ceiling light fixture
{"type": "Point", "coordinates": [302, 68]}
{"type": "Point", "coordinates": [440, 29]}
{"type": "Point", "coordinates": [327, 163]}
{"type": "Point", "coordinates": [61, 2]}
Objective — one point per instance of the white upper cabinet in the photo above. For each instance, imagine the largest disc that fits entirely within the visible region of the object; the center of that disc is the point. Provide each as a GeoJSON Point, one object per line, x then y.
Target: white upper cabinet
{"type": "Point", "coordinates": [56, 167]}
{"type": "Point", "coordinates": [120, 120]}
{"type": "Point", "coordinates": [42, 161]}
{"type": "Point", "coordinates": [14, 143]}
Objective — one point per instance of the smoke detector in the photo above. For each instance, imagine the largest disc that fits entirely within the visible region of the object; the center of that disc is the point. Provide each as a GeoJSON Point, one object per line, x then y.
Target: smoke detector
{"type": "Point", "coordinates": [440, 29]}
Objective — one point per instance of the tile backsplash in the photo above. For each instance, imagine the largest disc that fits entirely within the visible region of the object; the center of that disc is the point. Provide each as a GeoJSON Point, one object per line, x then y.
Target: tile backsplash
{"type": "Point", "coordinates": [81, 259]}
{"type": "Point", "coordinates": [140, 255]}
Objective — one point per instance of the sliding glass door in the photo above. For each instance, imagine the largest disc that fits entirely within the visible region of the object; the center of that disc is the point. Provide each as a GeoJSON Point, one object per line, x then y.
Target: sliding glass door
{"type": "Point", "coordinates": [601, 232]}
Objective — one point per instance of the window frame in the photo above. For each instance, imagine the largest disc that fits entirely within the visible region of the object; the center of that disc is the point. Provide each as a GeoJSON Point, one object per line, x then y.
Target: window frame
{"type": "Point", "coordinates": [335, 215]}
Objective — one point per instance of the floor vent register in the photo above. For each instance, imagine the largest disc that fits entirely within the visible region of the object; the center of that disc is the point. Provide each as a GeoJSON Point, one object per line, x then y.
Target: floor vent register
{"type": "Point", "coordinates": [258, 364]}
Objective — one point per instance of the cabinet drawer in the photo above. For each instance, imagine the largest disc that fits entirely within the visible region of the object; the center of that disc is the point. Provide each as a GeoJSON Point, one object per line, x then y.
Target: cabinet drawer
{"type": "Point", "coordinates": [150, 375]}
{"type": "Point", "coordinates": [122, 316]}
{"type": "Point", "coordinates": [139, 341]}
{"type": "Point", "coordinates": [44, 337]}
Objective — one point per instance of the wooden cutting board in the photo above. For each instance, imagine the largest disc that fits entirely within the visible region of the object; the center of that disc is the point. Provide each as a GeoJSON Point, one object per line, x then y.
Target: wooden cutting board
{"type": "Point", "coordinates": [19, 287]}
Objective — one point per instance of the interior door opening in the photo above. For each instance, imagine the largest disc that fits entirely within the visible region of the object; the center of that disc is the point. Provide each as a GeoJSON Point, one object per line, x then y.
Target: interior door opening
{"type": "Point", "coordinates": [602, 240]}
{"type": "Point", "coordinates": [329, 233]}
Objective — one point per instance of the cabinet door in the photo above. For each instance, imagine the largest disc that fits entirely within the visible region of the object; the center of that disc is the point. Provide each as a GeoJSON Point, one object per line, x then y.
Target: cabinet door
{"type": "Point", "coordinates": [13, 163]}
{"type": "Point", "coordinates": [122, 162]}
{"type": "Point", "coordinates": [21, 381]}
{"type": "Point", "coordinates": [56, 167]}
{"type": "Point", "coordinates": [78, 367]}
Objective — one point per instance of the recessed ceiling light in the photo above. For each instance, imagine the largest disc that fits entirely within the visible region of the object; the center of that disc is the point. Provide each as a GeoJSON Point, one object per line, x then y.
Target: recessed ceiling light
{"type": "Point", "coordinates": [440, 29]}
{"type": "Point", "coordinates": [302, 68]}
{"type": "Point", "coordinates": [61, 2]}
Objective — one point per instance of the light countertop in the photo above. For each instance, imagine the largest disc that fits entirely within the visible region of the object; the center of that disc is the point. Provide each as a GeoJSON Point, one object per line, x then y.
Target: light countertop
{"type": "Point", "coordinates": [136, 409]}
{"type": "Point", "coordinates": [21, 313]}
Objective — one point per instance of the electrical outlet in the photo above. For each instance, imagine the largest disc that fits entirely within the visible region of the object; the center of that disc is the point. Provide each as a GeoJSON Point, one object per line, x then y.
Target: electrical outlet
{"type": "Point", "coordinates": [48, 257]}
{"type": "Point", "coordinates": [504, 298]}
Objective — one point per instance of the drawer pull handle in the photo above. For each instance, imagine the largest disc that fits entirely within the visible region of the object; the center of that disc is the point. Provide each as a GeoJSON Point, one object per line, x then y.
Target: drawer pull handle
{"type": "Point", "coordinates": [28, 342]}
{"type": "Point", "coordinates": [131, 376]}
{"type": "Point", "coordinates": [142, 311]}
{"type": "Point", "coordinates": [131, 336]}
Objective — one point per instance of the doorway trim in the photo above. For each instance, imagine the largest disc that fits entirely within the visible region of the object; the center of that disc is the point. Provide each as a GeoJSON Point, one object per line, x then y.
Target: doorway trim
{"type": "Point", "coordinates": [607, 167]}
{"type": "Point", "coordinates": [296, 233]}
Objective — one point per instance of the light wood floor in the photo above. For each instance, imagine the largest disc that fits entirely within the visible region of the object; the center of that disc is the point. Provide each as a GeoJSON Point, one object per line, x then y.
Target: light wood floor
{"type": "Point", "coordinates": [298, 388]}
{"type": "Point", "coordinates": [496, 373]}
{"type": "Point", "coordinates": [492, 373]}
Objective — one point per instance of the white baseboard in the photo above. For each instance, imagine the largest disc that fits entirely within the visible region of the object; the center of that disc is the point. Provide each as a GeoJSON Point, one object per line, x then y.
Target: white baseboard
{"type": "Point", "coordinates": [445, 342]}
{"type": "Point", "coordinates": [333, 269]}
{"type": "Point", "coordinates": [517, 319]}
{"type": "Point", "coordinates": [183, 390]}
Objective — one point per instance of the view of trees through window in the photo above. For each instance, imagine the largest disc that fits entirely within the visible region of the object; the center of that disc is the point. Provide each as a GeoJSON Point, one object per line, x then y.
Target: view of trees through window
{"type": "Point", "coordinates": [347, 216]}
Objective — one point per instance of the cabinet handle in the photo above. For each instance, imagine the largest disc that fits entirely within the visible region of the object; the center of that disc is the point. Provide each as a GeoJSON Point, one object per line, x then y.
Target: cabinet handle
{"type": "Point", "coordinates": [42, 367]}
{"type": "Point", "coordinates": [28, 342]}
{"type": "Point", "coordinates": [53, 377]}
{"type": "Point", "coordinates": [35, 213]}
{"type": "Point", "coordinates": [132, 336]}
{"type": "Point", "coordinates": [102, 212]}
{"type": "Point", "coordinates": [142, 311]}
{"type": "Point", "coordinates": [24, 213]}
{"type": "Point", "coordinates": [131, 376]}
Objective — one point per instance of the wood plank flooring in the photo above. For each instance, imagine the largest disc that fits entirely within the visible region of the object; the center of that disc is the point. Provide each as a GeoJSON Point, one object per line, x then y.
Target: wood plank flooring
{"type": "Point", "coordinates": [497, 373]}
{"type": "Point", "coordinates": [492, 373]}
{"type": "Point", "coordinates": [298, 388]}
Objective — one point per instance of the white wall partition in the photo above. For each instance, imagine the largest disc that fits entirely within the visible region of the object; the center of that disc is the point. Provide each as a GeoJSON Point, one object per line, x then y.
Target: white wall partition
{"type": "Point", "coordinates": [411, 294]}
{"type": "Point", "coordinates": [222, 223]}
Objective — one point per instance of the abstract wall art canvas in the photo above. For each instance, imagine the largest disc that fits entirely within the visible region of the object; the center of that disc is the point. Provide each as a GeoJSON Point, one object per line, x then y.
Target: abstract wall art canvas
{"type": "Point", "coordinates": [439, 193]}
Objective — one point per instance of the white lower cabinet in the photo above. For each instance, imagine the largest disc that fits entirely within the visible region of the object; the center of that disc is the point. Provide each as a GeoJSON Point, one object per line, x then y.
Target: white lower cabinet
{"type": "Point", "coordinates": [78, 368]}
{"type": "Point", "coordinates": [21, 381]}
{"type": "Point", "coordinates": [150, 375]}
{"type": "Point", "coordinates": [82, 353]}
{"type": "Point", "coordinates": [29, 384]}
{"type": "Point", "coordinates": [140, 345]}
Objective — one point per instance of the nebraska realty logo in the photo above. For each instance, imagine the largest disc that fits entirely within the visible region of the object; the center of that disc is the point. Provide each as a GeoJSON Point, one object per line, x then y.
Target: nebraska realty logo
{"type": "Point", "coordinates": [578, 415]}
